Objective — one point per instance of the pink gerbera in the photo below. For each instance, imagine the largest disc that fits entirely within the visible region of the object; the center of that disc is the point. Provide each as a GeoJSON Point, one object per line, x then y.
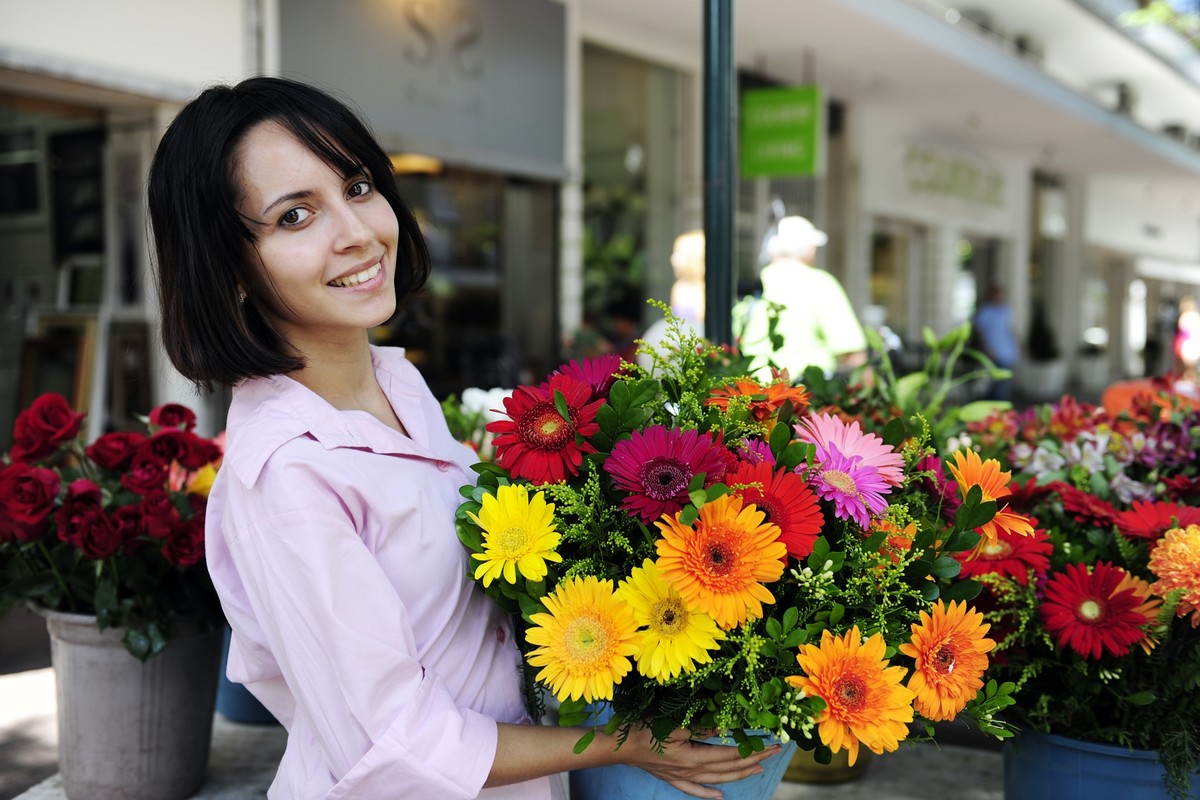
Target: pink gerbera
{"type": "Point", "coordinates": [824, 430]}
{"type": "Point", "coordinates": [1152, 520]}
{"type": "Point", "coordinates": [855, 488]}
{"type": "Point", "coordinates": [537, 442]}
{"type": "Point", "coordinates": [657, 464]}
{"type": "Point", "coordinates": [598, 372]}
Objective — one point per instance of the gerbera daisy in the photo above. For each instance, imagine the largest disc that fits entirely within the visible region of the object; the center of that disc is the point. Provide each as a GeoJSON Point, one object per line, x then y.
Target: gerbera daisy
{"type": "Point", "coordinates": [657, 464]}
{"type": "Point", "coordinates": [721, 563]}
{"type": "Point", "coordinates": [764, 401]}
{"type": "Point", "coordinates": [969, 470]}
{"type": "Point", "coordinates": [865, 699]}
{"type": "Point", "coordinates": [1089, 611]}
{"type": "Point", "coordinates": [584, 640]}
{"type": "Point", "coordinates": [825, 429]}
{"type": "Point", "coordinates": [1009, 555]}
{"type": "Point", "coordinates": [536, 442]}
{"type": "Point", "coordinates": [598, 372]}
{"type": "Point", "coordinates": [1176, 562]}
{"type": "Point", "coordinates": [755, 451]}
{"type": "Point", "coordinates": [1085, 507]}
{"type": "Point", "coordinates": [1148, 608]}
{"type": "Point", "coordinates": [855, 488]}
{"type": "Point", "coordinates": [786, 500]}
{"type": "Point", "coordinates": [676, 637]}
{"type": "Point", "coordinates": [949, 649]}
{"type": "Point", "coordinates": [1151, 520]}
{"type": "Point", "coordinates": [899, 540]}
{"type": "Point", "coordinates": [518, 533]}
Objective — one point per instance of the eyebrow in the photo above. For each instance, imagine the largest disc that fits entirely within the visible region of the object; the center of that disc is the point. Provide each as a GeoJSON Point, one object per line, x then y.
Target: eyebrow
{"type": "Point", "coordinates": [287, 198]}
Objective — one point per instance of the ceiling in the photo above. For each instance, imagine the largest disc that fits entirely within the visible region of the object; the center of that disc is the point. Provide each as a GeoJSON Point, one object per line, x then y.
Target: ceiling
{"type": "Point", "coordinates": [955, 78]}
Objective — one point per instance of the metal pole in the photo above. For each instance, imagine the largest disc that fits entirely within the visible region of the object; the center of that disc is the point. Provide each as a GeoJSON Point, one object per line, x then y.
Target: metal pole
{"type": "Point", "coordinates": [719, 169]}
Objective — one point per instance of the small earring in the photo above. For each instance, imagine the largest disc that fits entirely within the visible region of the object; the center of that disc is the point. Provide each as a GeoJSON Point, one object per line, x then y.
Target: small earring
{"type": "Point", "coordinates": [242, 296]}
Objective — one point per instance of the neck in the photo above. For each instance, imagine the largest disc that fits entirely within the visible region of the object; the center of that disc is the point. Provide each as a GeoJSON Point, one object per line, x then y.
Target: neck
{"type": "Point", "coordinates": [340, 372]}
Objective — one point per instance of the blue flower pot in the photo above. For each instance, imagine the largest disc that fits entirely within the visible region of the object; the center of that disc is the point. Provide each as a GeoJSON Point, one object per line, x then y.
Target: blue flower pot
{"type": "Point", "coordinates": [234, 701]}
{"type": "Point", "coordinates": [1040, 766]}
{"type": "Point", "coordinates": [631, 783]}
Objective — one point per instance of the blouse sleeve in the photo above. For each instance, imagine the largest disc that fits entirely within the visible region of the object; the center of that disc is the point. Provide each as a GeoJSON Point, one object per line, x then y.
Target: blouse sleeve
{"type": "Point", "coordinates": [344, 644]}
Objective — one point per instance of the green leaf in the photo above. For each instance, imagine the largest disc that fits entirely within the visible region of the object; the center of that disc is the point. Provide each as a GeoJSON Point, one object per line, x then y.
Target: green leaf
{"type": "Point", "coordinates": [560, 403]}
{"type": "Point", "coordinates": [774, 629]}
{"type": "Point", "coordinates": [643, 391]}
{"type": "Point", "coordinates": [698, 498]}
{"type": "Point", "coordinates": [1141, 698]}
{"type": "Point", "coordinates": [781, 437]}
{"type": "Point", "coordinates": [584, 741]}
{"type": "Point", "coordinates": [908, 387]}
{"type": "Point", "coordinates": [895, 432]}
{"type": "Point", "coordinates": [962, 590]}
{"type": "Point", "coordinates": [794, 454]}
{"type": "Point", "coordinates": [137, 643]}
{"type": "Point", "coordinates": [688, 515]}
{"type": "Point", "coordinates": [980, 410]}
{"type": "Point", "coordinates": [836, 613]}
{"type": "Point", "coordinates": [962, 541]}
{"type": "Point", "coordinates": [946, 567]}
{"type": "Point", "coordinates": [791, 616]}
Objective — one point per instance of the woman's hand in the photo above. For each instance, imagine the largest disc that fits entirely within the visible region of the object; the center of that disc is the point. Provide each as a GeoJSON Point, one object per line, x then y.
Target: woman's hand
{"type": "Point", "coordinates": [688, 764]}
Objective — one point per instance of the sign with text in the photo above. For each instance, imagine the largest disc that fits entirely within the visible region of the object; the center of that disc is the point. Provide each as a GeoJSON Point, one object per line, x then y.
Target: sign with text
{"type": "Point", "coordinates": [781, 132]}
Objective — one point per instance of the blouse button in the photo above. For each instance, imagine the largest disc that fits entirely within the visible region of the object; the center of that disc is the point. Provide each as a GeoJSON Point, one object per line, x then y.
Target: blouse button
{"type": "Point", "coordinates": [443, 466]}
{"type": "Point", "coordinates": [500, 634]}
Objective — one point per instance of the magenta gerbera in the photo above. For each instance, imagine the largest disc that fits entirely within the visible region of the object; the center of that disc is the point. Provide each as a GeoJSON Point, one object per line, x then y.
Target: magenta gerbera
{"type": "Point", "coordinates": [824, 430]}
{"type": "Point", "coordinates": [657, 464]}
{"type": "Point", "coordinates": [537, 442]}
{"type": "Point", "coordinates": [855, 488]}
{"type": "Point", "coordinates": [598, 372]}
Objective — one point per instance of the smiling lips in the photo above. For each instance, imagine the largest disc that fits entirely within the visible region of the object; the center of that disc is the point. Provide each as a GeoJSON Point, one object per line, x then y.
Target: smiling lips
{"type": "Point", "coordinates": [358, 277]}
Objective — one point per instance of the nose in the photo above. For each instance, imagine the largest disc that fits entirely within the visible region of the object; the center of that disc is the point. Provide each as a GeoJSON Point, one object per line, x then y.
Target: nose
{"type": "Point", "coordinates": [353, 231]}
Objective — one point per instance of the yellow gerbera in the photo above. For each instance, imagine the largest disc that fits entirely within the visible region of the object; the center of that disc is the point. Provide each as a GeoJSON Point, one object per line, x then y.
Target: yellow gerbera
{"type": "Point", "coordinates": [584, 642]}
{"type": "Point", "coordinates": [969, 470]}
{"type": "Point", "coordinates": [949, 649]}
{"type": "Point", "coordinates": [866, 700]}
{"type": "Point", "coordinates": [518, 533]}
{"type": "Point", "coordinates": [1175, 559]}
{"type": "Point", "coordinates": [721, 564]}
{"type": "Point", "coordinates": [675, 637]}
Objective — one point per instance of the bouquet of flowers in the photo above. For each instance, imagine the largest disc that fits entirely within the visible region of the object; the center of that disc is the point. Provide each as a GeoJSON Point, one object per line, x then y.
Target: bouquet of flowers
{"type": "Point", "coordinates": [1096, 614]}
{"type": "Point", "coordinates": [691, 549]}
{"type": "Point", "coordinates": [114, 528]}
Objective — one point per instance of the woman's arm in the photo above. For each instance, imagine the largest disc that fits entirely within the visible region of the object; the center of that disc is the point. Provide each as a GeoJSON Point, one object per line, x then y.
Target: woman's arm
{"type": "Point", "coordinates": [529, 751]}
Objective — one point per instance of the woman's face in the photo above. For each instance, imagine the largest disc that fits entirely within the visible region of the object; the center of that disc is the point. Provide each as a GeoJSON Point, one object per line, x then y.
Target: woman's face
{"type": "Point", "coordinates": [327, 244]}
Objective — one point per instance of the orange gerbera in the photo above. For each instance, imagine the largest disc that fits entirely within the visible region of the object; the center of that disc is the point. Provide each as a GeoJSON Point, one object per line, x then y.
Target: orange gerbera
{"type": "Point", "coordinates": [721, 563]}
{"type": "Point", "coordinates": [969, 470]}
{"type": "Point", "coordinates": [949, 649]}
{"type": "Point", "coordinates": [865, 699]}
{"type": "Point", "coordinates": [1176, 562]}
{"type": "Point", "coordinates": [1148, 608]}
{"type": "Point", "coordinates": [765, 401]}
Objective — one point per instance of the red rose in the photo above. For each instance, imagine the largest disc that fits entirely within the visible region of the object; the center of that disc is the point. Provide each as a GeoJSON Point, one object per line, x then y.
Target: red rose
{"type": "Point", "coordinates": [13, 531]}
{"type": "Point", "coordinates": [173, 415]}
{"type": "Point", "coordinates": [185, 547]}
{"type": "Point", "coordinates": [128, 521]}
{"type": "Point", "coordinates": [199, 452]}
{"type": "Point", "coordinates": [115, 451]}
{"type": "Point", "coordinates": [146, 473]}
{"type": "Point", "coordinates": [83, 492]}
{"type": "Point", "coordinates": [159, 515]}
{"type": "Point", "coordinates": [87, 527]}
{"type": "Point", "coordinates": [27, 493]}
{"type": "Point", "coordinates": [43, 427]}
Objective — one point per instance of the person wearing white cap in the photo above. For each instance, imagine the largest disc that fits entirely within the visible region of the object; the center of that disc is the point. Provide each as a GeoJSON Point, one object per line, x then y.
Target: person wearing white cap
{"type": "Point", "coordinates": [817, 322]}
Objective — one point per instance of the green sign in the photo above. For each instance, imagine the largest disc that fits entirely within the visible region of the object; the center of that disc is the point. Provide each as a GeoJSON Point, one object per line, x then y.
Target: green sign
{"type": "Point", "coordinates": [781, 131]}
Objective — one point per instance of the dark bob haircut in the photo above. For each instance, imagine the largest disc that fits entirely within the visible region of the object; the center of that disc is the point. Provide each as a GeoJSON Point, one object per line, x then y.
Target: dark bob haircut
{"type": "Point", "coordinates": [205, 247]}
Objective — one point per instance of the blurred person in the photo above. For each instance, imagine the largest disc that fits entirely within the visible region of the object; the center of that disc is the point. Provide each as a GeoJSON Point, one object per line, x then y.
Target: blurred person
{"type": "Point", "coordinates": [687, 293]}
{"type": "Point", "coordinates": [996, 337]}
{"type": "Point", "coordinates": [281, 240]}
{"type": "Point", "coordinates": [816, 320]}
{"type": "Point", "coordinates": [1187, 339]}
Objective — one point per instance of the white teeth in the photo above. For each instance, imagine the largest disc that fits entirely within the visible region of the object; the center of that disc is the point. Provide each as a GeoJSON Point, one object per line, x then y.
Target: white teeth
{"type": "Point", "coordinates": [358, 277]}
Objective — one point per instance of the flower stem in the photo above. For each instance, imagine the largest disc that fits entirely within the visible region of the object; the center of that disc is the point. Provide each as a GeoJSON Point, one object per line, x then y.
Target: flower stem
{"type": "Point", "coordinates": [57, 574]}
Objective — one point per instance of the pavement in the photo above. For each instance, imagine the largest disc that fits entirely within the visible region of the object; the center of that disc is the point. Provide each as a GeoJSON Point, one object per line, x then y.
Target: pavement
{"type": "Point", "coordinates": [244, 757]}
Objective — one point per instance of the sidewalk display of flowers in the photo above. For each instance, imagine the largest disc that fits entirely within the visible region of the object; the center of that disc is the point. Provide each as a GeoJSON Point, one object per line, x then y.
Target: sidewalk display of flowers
{"type": "Point", "coordinates": [1097, 615]}
{"type": "Point", "coordinates": [114, 528]}
{"type": "Point", "coordinates": [700, 551]}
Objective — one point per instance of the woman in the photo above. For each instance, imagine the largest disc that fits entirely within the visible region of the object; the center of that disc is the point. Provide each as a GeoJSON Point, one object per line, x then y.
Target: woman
{"type": "Point", "coordinates": [281, 241]}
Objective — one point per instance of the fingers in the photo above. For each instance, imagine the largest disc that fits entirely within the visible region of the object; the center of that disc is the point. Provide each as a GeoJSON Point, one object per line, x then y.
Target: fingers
{"type": "Point", "coordinates": [696, 789]}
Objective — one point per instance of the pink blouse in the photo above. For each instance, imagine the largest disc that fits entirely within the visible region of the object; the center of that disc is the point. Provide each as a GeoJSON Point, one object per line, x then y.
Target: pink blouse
{"type": "Point", "coordinates": [331, 541]}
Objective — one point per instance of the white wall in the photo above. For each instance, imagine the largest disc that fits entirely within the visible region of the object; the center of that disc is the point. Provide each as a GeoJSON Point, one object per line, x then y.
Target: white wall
{"type": "Point", "coordinates": [1143, 217]}
{"type": "Point", "coordinates": [127, 43]}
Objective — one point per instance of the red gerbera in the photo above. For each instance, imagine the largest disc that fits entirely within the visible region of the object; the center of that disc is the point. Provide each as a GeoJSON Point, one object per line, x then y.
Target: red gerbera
{"type": "Point", "coordinates": [1086, 508]}
{"type": "Point", "coordinates": [1152, 520]}
{"type": "Point", "coordinates": [787, 501]}
{"type": "Point", "coordinates": [1093, 611]}
{"type": "Point", "coordinates": [1182, 487]}
{"type": "Point", "coordinates": [1009, 556]}
{"type": "Point", "coordinates": [537, 442]}
{"type": "Point", "coordinates": [657, 464]}
{"type": "Point", "coordinates": [1071, 417]}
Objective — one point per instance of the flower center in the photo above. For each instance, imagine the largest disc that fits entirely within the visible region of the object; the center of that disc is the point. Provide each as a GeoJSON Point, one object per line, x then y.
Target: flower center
{"type": "Point", "coordinates": [669, 616]}
{"type": "Point", "coordinates": [510, 540]}
{"type": "Point", "coordinates": [850, 692]}
{"type": "Point", "coordinates": [663, 478]}
{"type": "Point", "coordinates": [1090, 611]}
{"type": "Point", "coordinates": [996, 549]}
{"type": "Point", "coordinates": [586, 640]}
{"type": "Point", "coordinates": [942, 660]}
{"type": "Point", "coordinates": [544, 428]}
{"type": "Point", "coordinates": [841, 481]}
{"type": "Point", "coordinates": [719, 556]}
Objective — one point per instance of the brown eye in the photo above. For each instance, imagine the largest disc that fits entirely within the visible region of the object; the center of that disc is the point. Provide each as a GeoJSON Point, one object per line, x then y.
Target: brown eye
{"type": "Point", "coordinates": [294, 217]}
{"type": "Point", "coordinates": [360, 188]}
